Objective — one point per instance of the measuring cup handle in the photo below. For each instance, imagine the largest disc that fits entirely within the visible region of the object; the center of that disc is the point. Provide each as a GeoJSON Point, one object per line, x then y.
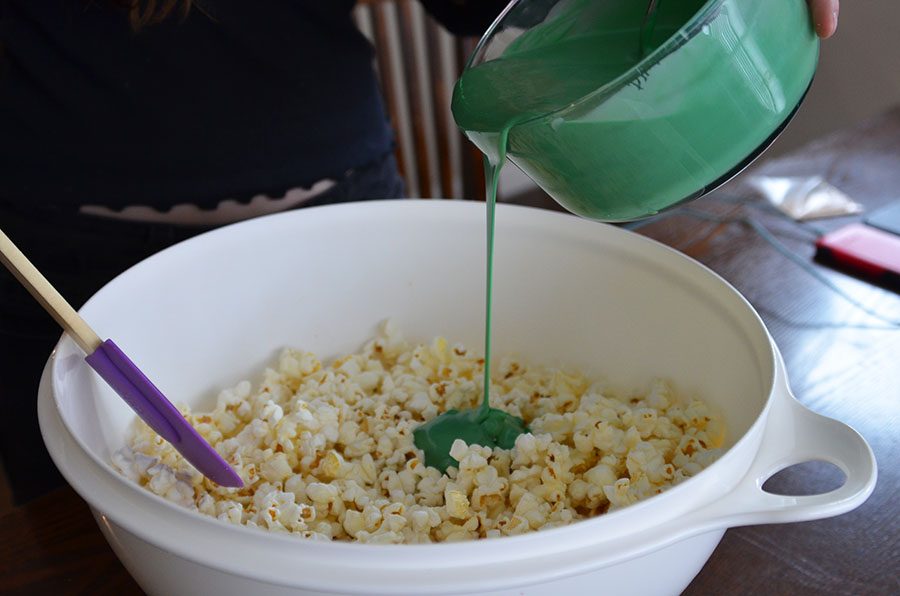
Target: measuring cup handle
{"type": "Point", "coordinates": [795, 434]}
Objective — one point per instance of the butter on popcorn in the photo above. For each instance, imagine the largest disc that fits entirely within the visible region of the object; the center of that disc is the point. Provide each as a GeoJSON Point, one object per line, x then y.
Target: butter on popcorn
{"type": "Point", "coordinates": [327, 452]}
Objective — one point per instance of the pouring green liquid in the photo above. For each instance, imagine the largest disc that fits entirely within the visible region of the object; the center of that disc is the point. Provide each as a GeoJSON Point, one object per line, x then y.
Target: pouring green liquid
{"type": "Point", "coordinates": [537, 82]}
{"type": "Point", "coordinates": [485, 426]}
{"type": "Point", "coordinates": [560, 103]}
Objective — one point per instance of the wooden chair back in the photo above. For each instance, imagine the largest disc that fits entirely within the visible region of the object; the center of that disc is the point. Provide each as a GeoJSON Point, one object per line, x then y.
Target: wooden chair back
{"type": "Point", "coordinates": [418, 62]}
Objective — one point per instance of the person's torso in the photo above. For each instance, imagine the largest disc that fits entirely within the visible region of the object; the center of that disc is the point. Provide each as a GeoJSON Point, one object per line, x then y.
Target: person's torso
{"type": "Point", "coordinates": [239, 98]}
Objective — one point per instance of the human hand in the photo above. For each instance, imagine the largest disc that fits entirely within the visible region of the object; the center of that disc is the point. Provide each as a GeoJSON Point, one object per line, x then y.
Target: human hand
{"type": "Point", "coordinates": [825, 16]}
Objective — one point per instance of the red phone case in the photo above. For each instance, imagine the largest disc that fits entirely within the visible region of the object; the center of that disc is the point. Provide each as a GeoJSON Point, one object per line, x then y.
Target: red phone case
{"type": "Point", "coordinates": [864, 250]}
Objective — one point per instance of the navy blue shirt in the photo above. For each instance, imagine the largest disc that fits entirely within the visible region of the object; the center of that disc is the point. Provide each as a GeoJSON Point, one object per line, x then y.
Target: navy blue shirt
{"type": "Point", "coordinates": [243, 97]}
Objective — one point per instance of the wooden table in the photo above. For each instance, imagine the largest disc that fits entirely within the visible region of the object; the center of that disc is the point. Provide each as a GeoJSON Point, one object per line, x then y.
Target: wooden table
{"type": "Point", "coordinates": [841, 362]}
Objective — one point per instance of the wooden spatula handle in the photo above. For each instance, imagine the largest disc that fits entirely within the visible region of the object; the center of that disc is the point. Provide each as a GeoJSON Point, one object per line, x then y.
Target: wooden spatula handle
{"type": "Point", "coordinates": [46, 294]}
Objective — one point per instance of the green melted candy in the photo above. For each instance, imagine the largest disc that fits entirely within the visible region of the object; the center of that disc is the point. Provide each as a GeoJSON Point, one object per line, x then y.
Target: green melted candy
{"type": "Point", "coordinates": [491, 428]}
{"type": "Point", "coordinates": [485, 426]}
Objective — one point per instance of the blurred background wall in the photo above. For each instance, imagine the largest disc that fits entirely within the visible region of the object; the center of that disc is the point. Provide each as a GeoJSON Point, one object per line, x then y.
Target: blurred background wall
{"type": "Point", "coordinates": [858, 74]}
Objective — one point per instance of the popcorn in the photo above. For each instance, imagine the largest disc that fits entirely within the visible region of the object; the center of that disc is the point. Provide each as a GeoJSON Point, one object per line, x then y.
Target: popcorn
{"type": "Point", "coordinates": [326, 451]}
{"type": "Point", "coordinates": [321, 493]}
{"type": "Point", "coordinates": [332, 464]}
{"type": "Point", "coordinates": [353, 523]}
{"type": "Point", "coordinates": [456, 502]}
{"type": "Point", "coordinates": [276, 468]}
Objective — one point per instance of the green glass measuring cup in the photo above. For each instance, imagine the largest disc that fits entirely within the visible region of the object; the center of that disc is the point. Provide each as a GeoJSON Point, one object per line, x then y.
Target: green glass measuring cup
{"type": "Point", "coordinates": [616, 124]}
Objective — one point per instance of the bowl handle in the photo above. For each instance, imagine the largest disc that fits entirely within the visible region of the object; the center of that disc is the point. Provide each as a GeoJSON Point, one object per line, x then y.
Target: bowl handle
{"type": "Point", "coordinates": [794, 434]}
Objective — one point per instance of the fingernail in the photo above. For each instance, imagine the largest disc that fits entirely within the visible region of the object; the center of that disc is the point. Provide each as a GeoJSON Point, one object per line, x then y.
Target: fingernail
{"type": "Point", "coordinates": [834, 17]}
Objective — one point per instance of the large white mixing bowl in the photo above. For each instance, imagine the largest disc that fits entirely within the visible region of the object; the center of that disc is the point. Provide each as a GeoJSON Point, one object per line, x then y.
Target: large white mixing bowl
{"type": "Point", "coordinates": [211, 311]}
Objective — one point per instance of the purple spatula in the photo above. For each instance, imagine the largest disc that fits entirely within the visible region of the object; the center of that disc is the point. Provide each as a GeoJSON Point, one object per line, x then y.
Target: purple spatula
{"type": "Point", "coordinates": [121, 373]}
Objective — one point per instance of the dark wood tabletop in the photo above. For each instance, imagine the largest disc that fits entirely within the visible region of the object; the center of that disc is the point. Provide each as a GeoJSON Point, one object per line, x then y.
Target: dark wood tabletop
{"type": "Point", "coordinates": [841, 361]}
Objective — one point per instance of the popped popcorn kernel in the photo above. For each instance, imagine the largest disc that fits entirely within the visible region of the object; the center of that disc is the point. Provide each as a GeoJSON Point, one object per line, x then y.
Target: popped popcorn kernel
{"type": "Point", "coordinates": [456, 503]}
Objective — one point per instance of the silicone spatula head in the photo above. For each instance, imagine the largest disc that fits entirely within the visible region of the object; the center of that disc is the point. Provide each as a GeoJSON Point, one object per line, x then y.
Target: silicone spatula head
{"type": "Point", "coordinates": [158, 412]}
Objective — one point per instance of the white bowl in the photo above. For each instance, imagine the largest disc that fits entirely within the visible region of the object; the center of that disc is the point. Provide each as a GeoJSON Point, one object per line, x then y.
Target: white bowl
{"type": "Point", "coordinates": [213, 310]}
